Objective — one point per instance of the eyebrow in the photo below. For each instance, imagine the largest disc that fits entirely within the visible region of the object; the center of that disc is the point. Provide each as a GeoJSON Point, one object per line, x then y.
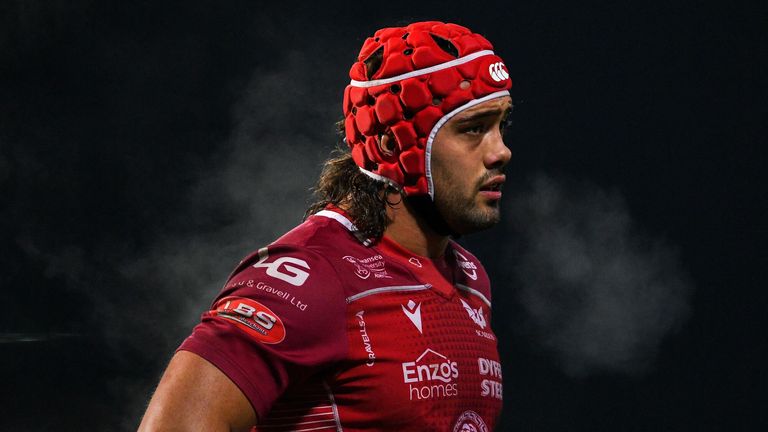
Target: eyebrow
{"type": "Point", "coordinates": [492, 112]}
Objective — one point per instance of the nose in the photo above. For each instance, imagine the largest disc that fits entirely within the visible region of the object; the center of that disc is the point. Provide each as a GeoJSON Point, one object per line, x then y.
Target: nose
{"type": "Point", "coordinates": [498, 154]}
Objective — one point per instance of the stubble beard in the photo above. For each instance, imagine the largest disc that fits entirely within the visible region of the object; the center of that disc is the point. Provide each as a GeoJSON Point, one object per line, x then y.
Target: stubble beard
{"type": "Point", "coordinates": [465, 214]}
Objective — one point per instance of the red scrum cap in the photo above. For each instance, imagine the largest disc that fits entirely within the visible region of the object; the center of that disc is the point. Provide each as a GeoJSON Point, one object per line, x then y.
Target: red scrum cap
{"type": "Point", "coordinates": [407, 82]}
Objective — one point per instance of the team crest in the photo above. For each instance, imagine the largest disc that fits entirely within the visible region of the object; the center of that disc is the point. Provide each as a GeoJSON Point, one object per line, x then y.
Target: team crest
{"type": "Point", "coordinates": [470, 421]}
{"type": "Point", "coordinates": [475, 314]}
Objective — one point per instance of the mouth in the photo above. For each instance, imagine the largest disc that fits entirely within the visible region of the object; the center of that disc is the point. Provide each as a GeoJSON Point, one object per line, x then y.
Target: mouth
{"type": "Point", "coordinates": [491, 189]}
{"type": "Point", "coordinates": [495, 184]}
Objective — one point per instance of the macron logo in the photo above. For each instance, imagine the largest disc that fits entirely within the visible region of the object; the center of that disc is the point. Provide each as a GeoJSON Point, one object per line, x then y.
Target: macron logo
{"type": "Point", "coordinates": [497, 72]}
{"type": "Point", "coordinates": [413, 312]}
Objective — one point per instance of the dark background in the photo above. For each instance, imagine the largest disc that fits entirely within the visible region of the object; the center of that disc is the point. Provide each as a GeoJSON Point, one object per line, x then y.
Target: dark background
{"type": "Point", "coordinates": [145, 148]}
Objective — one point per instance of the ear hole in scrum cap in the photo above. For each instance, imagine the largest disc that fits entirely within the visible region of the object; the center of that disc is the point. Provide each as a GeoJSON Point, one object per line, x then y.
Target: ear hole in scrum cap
{"type": "Point", "coordinates": [386, 143]}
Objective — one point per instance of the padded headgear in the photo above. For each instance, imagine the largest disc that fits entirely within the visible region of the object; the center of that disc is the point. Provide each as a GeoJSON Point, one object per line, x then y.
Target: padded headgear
{"type": "Point", "coordinates": [407, 82]}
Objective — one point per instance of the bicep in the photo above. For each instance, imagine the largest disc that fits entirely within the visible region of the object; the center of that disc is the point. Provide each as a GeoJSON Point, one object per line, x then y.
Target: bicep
{"type": "Point", "coordinates": [193, 394]}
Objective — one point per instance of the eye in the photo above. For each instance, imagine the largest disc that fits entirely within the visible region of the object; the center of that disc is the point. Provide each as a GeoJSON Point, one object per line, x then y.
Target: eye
{"type": "Point", "coordinates": [474, 129]}
{"type": "Point", "coordinates": [506, 123]}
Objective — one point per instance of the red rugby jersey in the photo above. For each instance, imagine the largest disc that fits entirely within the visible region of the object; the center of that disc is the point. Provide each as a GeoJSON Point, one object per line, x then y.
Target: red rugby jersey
{"type": "Point", "coordinates": [323, 332]}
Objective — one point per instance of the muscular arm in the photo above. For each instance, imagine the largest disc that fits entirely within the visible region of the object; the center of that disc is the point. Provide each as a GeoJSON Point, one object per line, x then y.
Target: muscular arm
{"type": "Point", "coordinates": [195, 395]}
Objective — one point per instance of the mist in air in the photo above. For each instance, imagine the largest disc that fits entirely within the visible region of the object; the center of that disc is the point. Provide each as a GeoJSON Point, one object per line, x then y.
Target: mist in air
{"type": "Point", "coordinates": [599, 294]}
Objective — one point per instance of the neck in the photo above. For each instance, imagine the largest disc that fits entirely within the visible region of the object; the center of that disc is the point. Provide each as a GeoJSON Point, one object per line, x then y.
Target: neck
{"type": "Point", "coordinates": [411, 231]}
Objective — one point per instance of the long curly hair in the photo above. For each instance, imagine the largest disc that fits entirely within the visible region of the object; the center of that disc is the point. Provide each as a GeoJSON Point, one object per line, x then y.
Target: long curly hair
{"type": "Point", "coordinates": [365, 200]}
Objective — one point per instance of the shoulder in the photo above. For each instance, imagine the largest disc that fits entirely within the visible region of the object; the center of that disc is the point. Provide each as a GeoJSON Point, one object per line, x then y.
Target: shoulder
{"type": "Point", "coordinates": [470, 273]}
{"type": "Point", "coordinates": [297, 260]}
{"type": "Point", "coordinates": [289, 289]}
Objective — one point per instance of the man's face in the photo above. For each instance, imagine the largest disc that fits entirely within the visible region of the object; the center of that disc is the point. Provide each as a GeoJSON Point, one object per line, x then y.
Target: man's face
{"type": "Point", "coordinates": [468, 159]}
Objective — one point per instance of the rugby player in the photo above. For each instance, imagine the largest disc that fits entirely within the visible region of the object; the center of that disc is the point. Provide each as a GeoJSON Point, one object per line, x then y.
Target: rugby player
{"type": "Point", "coordinates": [368, 315]}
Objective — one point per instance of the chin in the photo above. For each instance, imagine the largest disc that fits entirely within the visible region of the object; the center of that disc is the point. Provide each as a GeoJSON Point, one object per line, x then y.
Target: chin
{"type": "Point", "coordinates": [465, 215]}
{"type": "Point", "coordinates": [476, 220]}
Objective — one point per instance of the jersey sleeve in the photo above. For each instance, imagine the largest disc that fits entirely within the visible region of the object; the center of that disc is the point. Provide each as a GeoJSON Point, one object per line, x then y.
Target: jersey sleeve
{"type": "Point", "coordinates": [278, 320]}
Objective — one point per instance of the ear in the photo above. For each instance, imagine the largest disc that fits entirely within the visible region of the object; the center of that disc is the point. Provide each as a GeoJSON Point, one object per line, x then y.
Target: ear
{"type": "Point", "coordinates": [386, 143]}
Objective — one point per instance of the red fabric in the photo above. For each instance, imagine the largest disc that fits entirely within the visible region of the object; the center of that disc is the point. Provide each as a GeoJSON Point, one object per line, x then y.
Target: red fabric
{"type": "Point", "coordinates": [351, 357]}
{"type": "Point", "coordinates": [415, 94]}
{"type": "Point", "coordinates": [365, 120]}
{"type": "Point", "coordinates": [456, 99]}
{"type": "Point", "coordinates": [405, 135]}
{"type": "Point", "coordinates": [388, 109]}
{"type": "Point", "coordinates": [443, 82]}
{"type": "Point", "coordinates": [425, 119]}
{"type": "Point", "coordinates": [420, 101]}
{"type": "Point", "coordinates": [412, 160]}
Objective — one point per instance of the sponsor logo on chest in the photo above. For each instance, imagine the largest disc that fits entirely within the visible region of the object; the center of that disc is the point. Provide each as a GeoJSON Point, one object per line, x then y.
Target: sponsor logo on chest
{"type": "Point", "coordinates": [366, 339]}
{"type": "Point", "coordinates": [431, 376]}
{"type": "Point", "coordinates": [490, 370]}
{"type": "Point", "coordinates": [367, 267]}
{"type": "Point", "coordinates": [468, 267]}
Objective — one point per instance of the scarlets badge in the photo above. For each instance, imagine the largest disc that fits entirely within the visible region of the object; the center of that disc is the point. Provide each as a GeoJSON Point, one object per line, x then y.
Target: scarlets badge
{"type": "Point", "coordinates": [470, 421]}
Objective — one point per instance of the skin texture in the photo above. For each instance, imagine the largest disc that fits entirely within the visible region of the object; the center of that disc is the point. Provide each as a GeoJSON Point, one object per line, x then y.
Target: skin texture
{"type": "Point", "coordinates": [468, 151]}
{"type": "Point", "coordinates": [194, 395]}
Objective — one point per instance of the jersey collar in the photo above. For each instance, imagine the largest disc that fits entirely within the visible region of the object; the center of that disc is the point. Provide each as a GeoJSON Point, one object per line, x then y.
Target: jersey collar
{"type": "Point", "coordinates": [435, 271]}
{"type": "Point", "coordinates": [340, 216]}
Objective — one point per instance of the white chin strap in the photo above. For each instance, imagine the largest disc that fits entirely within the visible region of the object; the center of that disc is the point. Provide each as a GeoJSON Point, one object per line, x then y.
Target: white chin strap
{"type": "Point", "coordinates": [382, 179]}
